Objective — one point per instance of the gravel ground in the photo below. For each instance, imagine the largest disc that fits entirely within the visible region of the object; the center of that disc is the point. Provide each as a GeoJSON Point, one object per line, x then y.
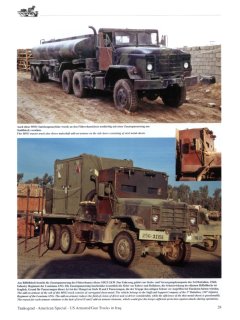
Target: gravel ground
{"type": "Point", "coordinates": [47, 103]}
{"type": "Point", "coordinates": [96, 264]}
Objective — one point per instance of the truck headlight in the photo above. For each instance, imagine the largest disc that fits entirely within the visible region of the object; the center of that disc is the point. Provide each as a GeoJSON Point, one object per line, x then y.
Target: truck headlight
{"type": "Point", "coordinates": [149, 67]}
{"type": "Point", "coordinates": [155, 218]}
{"type": "Point", "coordinates": [185, 65]}
{"type": "Point", "coordinates": [193, 221]}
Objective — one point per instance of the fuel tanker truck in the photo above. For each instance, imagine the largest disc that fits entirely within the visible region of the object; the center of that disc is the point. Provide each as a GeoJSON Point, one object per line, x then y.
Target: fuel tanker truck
{"type": "Point", "coordinates": [124, 210]}
{"type": "Point", "coordinates": [130, 63]}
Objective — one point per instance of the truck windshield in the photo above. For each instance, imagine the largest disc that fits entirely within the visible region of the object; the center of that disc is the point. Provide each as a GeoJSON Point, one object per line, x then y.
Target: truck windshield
{"type": "Point", "coordinates": [142, 38]}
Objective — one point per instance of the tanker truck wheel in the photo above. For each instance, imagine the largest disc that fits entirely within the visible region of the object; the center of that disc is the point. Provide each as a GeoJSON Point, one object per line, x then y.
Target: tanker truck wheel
{"type": "Point", "coordinates": [33, 73]}
{"type": "Point", "coordinates": [179, 254]}
{"type": "Point", "coordinates": [174, 96]}
{"type": "Point", "coordinates": [67, 81]}
{"type": "Point", "coordinates": [126, 248]}
{"type": "Point", "coordinates": [39, 74]}
{"type": "Point", "coordinates": [53, 236]}
{"type": "Point", "coordinates": [80, 248]}
{"type": "Point", "coordinates": [67, 243]}
{"type": "Point", "coordinates": [124, 95]}
{"type": "Point", "coordinates": [77, 82]}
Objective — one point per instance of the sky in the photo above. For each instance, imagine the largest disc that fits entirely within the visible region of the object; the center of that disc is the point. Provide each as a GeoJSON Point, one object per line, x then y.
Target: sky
{"type": "Point", "coordinates": [36, 156]}
{"type": "Point", "coordinates": [185, 24]}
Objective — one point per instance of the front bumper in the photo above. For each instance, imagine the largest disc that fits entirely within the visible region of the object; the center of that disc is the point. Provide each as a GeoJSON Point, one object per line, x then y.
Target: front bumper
{"type": "Point", "coordinates": [157, 84]}
{"type": "Point", "coordinates": [162, 236]}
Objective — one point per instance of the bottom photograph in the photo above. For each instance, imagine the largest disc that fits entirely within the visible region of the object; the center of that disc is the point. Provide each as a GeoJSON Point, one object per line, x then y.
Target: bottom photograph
{"type": "Point", "coordinates": [100, 208]}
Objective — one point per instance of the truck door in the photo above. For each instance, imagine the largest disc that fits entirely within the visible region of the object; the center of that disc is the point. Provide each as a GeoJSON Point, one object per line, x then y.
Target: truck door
{"type": "Point", "coordinates": [66, 193]}
{"type": "Point", "coordinates": [191, 156]}
{"type": "Point", "coordinates": [105, 50]}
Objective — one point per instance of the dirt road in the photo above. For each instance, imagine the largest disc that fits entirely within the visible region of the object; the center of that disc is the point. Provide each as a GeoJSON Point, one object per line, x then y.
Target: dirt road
{"type": "Point", "coordinates": [96, 264]}
{"type": "Point", "coordinates": [47, 103]}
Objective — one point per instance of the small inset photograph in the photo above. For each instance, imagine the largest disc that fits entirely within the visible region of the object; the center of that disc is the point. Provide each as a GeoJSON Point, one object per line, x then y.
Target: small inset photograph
{"type": "Point", "coordinates": [197, 158]}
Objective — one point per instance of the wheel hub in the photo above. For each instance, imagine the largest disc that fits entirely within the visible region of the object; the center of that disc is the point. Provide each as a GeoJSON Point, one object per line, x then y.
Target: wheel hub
{"type": "Point", "coordinates": [123, 249]}
{"type": "Point", "coordinates": [122, 97]}
{"type": "Point", "coordinates": [65, 240]}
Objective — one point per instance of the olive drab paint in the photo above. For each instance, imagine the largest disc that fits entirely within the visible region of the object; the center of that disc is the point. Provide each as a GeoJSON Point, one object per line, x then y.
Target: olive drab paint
{"type": "Point", "coordinates": [125, 210]}
{"type": "Point", "coordinates": [130, 63]}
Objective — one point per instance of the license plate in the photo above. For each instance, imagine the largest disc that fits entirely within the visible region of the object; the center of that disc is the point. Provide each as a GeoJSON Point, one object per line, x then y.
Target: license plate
{"type": "Point", "coordinates": [153, 235]}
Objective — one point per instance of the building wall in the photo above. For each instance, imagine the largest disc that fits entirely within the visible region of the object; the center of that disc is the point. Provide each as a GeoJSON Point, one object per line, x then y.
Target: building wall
{"type": "Point", "coordinates": [206, 61]}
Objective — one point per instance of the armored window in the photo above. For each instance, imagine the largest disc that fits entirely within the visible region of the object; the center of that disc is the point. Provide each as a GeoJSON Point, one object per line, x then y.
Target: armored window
{"type": "Point", "coordinates": [156, 191]}
{"type": "Point", "coordinates": [128, 188]}
{"type": "Point", "coordinates": [185, 148]}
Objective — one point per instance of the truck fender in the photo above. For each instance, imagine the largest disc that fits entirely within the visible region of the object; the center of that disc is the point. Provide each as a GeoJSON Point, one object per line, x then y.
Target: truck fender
{"type": "Point", "coordinates": [116, 224]}
{"type": "Point", "coordinates": [117, 72]}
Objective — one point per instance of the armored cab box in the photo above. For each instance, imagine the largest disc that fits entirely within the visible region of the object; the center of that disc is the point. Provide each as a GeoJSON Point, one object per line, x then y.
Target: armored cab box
{"type": "Point", "coordinates": [74, 183]}
{"type": "Point", "coordinates": [197, 158]}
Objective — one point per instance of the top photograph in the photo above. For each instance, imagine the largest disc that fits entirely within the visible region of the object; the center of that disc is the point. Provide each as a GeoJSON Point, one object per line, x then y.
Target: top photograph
{"type": "Point", "coordinates": [118, 75]}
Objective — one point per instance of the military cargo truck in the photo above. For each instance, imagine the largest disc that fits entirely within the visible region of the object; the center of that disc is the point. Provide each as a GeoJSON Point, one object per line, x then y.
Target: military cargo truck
{"type": "Point", "coordinates": [130, 63]}
{"type": "Point", "coordinates": [209, 232]}
{"type": "Point", "coordinates": [122, 209]}
{"type": "Point", "coordinates": [196, 156]}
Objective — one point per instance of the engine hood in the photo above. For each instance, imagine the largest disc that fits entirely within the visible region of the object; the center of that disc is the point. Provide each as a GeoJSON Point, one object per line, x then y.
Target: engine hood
{"type": "Point", "coordinates": [149, 51]}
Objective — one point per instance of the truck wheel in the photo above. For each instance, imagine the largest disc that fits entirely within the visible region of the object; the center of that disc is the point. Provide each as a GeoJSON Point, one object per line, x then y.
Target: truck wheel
{"type": "Point", "coordinates": [67, 243]}
{"type": "Point", "coordinates": [124, 95]}
{"type": "Point", "coordinates": [180, 254]}
{"type": "Point", "coordinates": [39, 74]}
{"type": "Point", "coordinates": [80, 248]}
{"type": "Point", "coordinates": [33, 73]}
{"type": "Point", "coordinates": [67, 81]}
{"type": "Point", "coordinates": [126, 248]}
{"type": "Point", "coordinates": [77, 82]}
{"type": "Point", "coordinates": [53, 236]}
{"type": "Point", "coordinates": [211, 245]}
{"type": "Point", "coordinates": [174, 96]}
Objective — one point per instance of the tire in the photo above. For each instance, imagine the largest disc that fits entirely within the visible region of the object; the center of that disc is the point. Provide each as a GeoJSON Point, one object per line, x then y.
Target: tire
{"type": "Point", "coordinates": [174, 96]}
{"type": "Point", "coordinates": [124, 95]}
{"type": "Point", "coordinates": [77, 83]}
{"type": "Point", "coordinates": [39, 74]}
{"type": "Point", "coordinates": [53, 236]}
{"type": "Point", "coordinates": [182, 255]}
{"type": "Point", "coordinates": [67, 81]}
{"type": "Point", "coordinates": [211, 248]}
{"type": "Point", "coordinates": [33, 73]}
{"type": "Point", "coordinates": [80, 248]}
{"type": "Point", "coordinates": [67, 243]}
{"type": "Point", "coordinates": [126, 249]}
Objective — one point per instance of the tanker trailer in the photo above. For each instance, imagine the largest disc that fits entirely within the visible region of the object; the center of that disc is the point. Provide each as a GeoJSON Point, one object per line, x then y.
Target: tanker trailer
{"type": "Point", "coordinates": [58, 59]}
{"type": "Point", "coordinates": [130, 63]}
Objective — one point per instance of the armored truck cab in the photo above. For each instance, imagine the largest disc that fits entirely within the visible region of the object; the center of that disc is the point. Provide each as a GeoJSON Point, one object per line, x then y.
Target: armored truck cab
{"type": "Point", "coordinates": [130, 63]}
{"type": "Point", "coordinates": [196, 156]}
